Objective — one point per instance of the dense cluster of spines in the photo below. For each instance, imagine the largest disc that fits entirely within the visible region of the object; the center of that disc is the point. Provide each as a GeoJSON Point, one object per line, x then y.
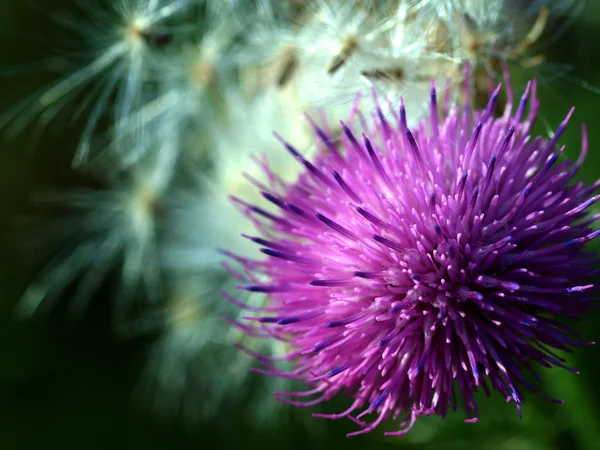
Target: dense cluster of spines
{"type": "Point", "coordinates": [419, 266]}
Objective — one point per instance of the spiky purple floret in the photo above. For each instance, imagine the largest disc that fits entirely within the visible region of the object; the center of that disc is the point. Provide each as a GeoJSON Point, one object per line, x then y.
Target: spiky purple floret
{"type": "Point", "coordinates": [416, 266]}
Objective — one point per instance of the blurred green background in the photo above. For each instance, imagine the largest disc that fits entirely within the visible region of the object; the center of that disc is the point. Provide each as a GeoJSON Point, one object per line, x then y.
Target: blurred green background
{"type": "Point", "coordinates": [69, 385]}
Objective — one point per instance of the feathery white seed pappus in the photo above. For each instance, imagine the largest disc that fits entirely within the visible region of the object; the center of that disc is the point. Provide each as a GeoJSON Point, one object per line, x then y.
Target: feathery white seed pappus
{"type": "Point", "coordinates": [104, 230]}
{"type": "Point", "coordinates": [190, 90]}
{"type": "Point", "coordinates": [487, 34]}
{"type": "Point", "coordinates": [114, 45]}
{"type": "Point", "coordinates": [201, 218]}
{"type": "Point", "coordinates": [180, 379]}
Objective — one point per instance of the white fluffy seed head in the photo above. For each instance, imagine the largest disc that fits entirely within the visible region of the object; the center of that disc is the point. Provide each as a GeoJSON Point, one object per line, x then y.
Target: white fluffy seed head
{"type": "Point", "coordinates": [485, 34]}
{"type": "Point", "coordinates": [179, 376]}
{"type": "Point", "coordinates": [102, 231]}
{"type": "Point", "coordinates": [114, 46]}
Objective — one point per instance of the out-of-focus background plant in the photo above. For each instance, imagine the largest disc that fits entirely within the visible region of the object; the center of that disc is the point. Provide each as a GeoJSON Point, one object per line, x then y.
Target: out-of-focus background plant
{"type": "Point", "coordinates": [136, 355]}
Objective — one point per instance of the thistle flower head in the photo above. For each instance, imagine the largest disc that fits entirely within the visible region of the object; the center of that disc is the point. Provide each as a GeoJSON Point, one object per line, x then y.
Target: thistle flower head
{"type": "Point", "coordinates": [411, 268]}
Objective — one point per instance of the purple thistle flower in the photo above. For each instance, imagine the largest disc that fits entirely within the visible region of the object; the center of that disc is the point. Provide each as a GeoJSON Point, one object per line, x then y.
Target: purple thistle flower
{"type": "Point", "coordinates": [410, 268]}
